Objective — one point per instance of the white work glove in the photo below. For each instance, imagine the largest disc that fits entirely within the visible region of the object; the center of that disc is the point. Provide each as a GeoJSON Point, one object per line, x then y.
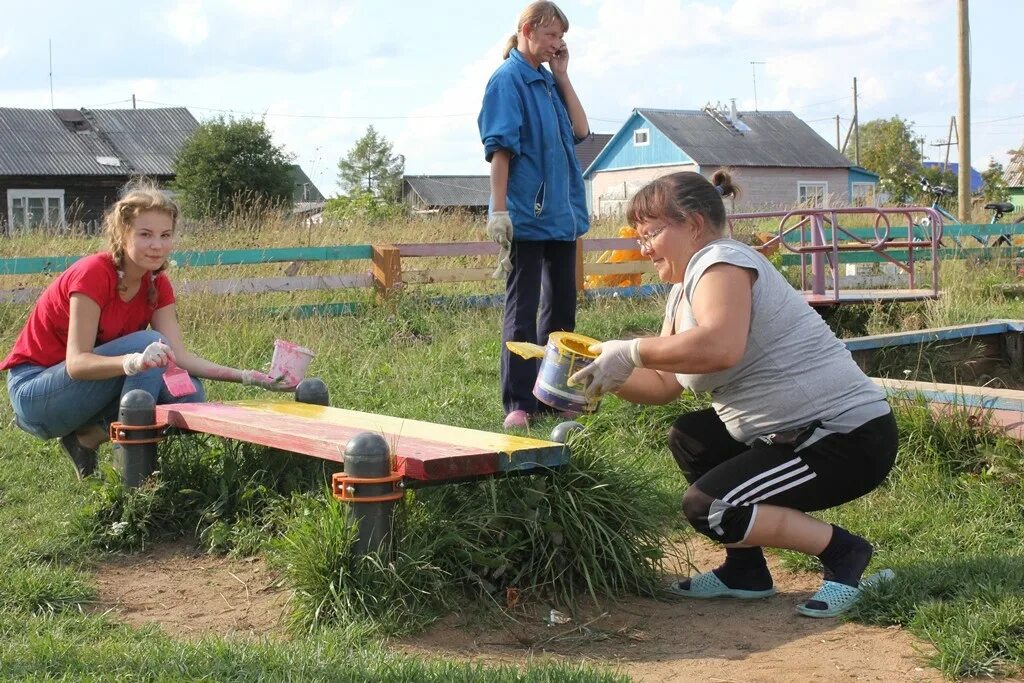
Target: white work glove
{"type": "Point", "coordinates": [255, 378]}
{"type": "Point", "coordinates": [499, 229]}
{"type": "Point", "coordinates": [610, 370]}
{"type": "Point", "coordinates": [156, 355]}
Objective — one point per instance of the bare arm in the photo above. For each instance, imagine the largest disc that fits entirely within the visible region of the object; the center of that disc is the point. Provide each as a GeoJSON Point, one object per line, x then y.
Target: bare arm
{"type": "Point", "coordinates": [499, 179]}
{"type": "Point", "coordinates": [577, 116]}
{"type": "Point", "coordinates": [165, 321]}
{"type": "Point", "coordinates": [721, 306]}
{"type": "Point", "coordinates": [83, 325]}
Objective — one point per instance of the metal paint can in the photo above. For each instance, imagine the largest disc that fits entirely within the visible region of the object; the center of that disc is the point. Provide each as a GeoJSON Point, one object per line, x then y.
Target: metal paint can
{"type": "Point", "coordinates": [565, 354]}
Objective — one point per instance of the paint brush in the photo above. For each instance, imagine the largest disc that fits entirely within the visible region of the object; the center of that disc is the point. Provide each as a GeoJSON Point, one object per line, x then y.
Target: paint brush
{"type": "Point", "coordinates": [178, 382]}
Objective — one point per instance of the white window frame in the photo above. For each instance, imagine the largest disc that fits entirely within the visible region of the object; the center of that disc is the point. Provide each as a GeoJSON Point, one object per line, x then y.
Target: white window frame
{"type": "Point", "coordinates": [647, 137]}
{"type": "Point", "coordinates": [873, 188]}
{"type": "Point", "coordinates": [803, 185]}
{"type": "Point", "coordinates": [24, 195]}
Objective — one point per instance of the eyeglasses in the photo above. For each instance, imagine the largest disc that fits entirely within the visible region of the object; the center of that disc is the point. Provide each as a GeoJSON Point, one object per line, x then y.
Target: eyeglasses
{"type": "Point", "coordinates": [645, 241]}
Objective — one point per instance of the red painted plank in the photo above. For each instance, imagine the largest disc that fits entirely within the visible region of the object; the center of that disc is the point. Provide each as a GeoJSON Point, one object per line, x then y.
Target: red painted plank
{"type": "Point", "coordinates": [422, 459]}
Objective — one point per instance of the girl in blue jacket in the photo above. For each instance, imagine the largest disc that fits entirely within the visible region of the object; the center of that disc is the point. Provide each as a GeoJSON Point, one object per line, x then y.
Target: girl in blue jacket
{"type": "Point", "coordinates": [530, 121]}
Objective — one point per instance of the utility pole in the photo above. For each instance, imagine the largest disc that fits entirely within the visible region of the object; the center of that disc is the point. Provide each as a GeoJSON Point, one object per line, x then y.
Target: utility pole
{"type": "Point", "coordinates": [837, 131]}
{"type": "Point", "coordinates": [133, 100]}
{"type": "Point", "coordinates": [949, 142]}
{"type": "Point", "coordinates": [964, 120]}
{"type": "Point", "coordinates": [753, 72]}
{"type": "Point", "coordinates": [856, 126]}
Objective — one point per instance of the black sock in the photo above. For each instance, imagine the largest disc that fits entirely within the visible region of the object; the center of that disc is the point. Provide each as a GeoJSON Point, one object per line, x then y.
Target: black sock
{"type": "Point", "coordinates": [845, 557]}
{"type": "Point", "coordinates": [745, 569]}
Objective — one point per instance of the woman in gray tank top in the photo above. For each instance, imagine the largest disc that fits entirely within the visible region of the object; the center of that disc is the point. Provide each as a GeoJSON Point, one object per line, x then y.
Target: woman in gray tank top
{"type": "Point", "coordinates": [794, 427]}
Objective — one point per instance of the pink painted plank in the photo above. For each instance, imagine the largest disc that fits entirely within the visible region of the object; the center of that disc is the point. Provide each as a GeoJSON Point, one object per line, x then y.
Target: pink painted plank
{"type": "Point", "coordinates": [421, 459]}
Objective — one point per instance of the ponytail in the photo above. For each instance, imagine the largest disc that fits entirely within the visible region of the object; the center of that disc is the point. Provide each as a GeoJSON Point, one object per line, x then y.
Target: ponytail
{"type": "Point", "coordinates": [509, 44]}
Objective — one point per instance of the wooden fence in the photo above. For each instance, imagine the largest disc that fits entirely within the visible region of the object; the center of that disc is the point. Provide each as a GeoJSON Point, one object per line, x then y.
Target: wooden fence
{"type": "Point", "coordinates": [389, 268]}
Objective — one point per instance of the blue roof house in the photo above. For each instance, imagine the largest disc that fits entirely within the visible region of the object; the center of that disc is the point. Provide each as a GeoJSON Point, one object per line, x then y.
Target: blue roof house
{"type": "Point", "coordinates": [954, 168]}
{"type": "Point", "coordinates": [777, 160]}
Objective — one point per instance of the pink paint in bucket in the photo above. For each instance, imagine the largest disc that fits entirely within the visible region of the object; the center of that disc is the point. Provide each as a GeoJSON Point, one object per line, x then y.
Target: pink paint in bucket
{"type": "Point", "coordinates": [290, 362]}
{"type": "Point", "coordinates": [178, 382]}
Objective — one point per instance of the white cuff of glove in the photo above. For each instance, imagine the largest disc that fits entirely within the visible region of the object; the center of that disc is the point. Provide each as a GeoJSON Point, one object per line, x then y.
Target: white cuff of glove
{"type": "Point", "coordinates": [132, 364]}
{"type": "Point", "coordinates": [634, 353]}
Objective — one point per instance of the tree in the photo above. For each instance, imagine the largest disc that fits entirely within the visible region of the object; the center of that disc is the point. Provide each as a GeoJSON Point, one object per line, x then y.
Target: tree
{"type": "Point", "coordinates": [370, 167]}
{"type": "Point", "coordinates": [993, 187]}
{"type": "Point", "coordinates": [888, 147]}
{"type": "Point", "coordinates": [226, 163]}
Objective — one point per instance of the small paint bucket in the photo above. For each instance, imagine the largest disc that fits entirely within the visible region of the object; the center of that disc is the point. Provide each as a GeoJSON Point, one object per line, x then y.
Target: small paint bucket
{"type": "Point", "coordinates": [290, 362]}
{"type": "Point", "coordinates": [565, 354]}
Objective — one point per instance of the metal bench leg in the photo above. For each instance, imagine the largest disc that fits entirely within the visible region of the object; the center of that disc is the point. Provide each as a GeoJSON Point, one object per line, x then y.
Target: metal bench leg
{"type": "Point", "coordinates": [135, 438]}
{"type": "Point", "coordinates": [372, 488]}
{"type": "Point", "coordinates": [313, 390]}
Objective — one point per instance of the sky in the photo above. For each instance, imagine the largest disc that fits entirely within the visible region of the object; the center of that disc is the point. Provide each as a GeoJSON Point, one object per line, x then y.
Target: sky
{"type": "Point", "coordinates": [319, 72]}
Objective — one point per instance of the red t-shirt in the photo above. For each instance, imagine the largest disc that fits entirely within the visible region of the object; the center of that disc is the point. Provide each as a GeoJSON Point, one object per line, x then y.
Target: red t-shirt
{"type": "Point", "coordinates": [44, 339]}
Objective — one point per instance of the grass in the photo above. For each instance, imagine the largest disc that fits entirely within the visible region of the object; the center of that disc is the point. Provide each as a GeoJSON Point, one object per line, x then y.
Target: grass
{"type": "Point", "coordinates": [949, 520]}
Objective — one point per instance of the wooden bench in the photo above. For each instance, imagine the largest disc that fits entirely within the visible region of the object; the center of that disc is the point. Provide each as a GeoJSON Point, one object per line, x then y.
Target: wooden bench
{"type": "Point", "coordinates": [425, 453]}
{"type": "Point", "coordinates": [382, 456]}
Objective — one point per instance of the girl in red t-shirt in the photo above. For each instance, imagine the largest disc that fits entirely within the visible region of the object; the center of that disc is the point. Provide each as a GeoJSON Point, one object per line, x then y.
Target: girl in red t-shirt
{"type": "Point", "coordinates": [105, 326]}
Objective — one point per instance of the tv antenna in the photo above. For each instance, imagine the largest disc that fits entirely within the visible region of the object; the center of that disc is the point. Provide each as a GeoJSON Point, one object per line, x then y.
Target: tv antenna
{"type": "Point", "coordinates": [753, 72]}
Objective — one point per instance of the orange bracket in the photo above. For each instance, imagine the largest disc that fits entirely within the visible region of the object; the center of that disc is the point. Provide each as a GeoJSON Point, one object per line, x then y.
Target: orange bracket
{"type": "Point", "coordinates": [120, 433]}
{"type": "Point", "coordinates": [343, 486]}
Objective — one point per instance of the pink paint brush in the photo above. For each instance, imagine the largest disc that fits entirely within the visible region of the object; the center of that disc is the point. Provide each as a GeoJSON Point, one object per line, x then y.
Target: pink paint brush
{"type": "Point", "coordinates": [178, 382]}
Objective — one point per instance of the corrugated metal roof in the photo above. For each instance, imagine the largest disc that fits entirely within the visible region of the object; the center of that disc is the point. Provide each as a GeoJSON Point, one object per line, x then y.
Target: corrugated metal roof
{"type": "Point", "coordinates": [303, 189]}
{"type": "Point", "coordinates": [38, 142]}
{"type": "Point", "coordinates": [451, 190]}
{"type": "Point", "coordinates": [588, 150]}
{"type": "Point", "coordinates": [774, 138]}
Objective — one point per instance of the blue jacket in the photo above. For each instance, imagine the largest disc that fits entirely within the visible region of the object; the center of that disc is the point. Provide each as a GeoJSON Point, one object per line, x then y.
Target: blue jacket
{"type": "Point", "coordinates": [524, 113]}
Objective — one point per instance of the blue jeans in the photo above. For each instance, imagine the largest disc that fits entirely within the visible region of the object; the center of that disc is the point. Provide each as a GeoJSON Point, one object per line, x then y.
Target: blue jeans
{"type": "Point", "coordinates": [49, 404]}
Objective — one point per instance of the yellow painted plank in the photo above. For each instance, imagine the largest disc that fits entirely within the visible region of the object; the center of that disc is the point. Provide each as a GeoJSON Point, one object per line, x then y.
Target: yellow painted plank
{"type": "Point", "coordinates": [384, 424]}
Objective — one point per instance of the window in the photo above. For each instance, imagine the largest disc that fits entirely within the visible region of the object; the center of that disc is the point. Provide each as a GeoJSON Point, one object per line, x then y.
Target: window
{"type": "Point", "coordinates": [862, 194]}
{"type": "Point", "coordinates": [812, 195]}
{"type": "Point", "coordinates": [29, 209]}
{"type": "Point", "coordinates": [641, 137]}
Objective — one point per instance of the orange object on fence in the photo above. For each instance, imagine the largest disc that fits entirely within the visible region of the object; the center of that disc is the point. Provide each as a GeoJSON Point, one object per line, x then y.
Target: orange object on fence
{"type": "Point", "coordinates": [618, 256]}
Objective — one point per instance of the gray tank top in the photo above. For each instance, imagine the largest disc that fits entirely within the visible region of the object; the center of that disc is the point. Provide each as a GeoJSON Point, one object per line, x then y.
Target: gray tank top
{"type": "Point", "coordinates": [794, 371]}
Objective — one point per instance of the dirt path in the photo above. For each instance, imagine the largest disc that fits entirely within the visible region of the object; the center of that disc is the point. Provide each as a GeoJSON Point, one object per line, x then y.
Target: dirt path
{"type": "Point", "coordinates": [191, 594]}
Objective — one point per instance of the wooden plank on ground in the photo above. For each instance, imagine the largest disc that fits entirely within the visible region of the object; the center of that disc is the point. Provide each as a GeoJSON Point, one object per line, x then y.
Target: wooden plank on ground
{"type": "Point", "coordinates": [425, 451]}
{"type": "Point", "coordinates": [955, 394]}
{"type": "Point", "coordinates": [936, 334]}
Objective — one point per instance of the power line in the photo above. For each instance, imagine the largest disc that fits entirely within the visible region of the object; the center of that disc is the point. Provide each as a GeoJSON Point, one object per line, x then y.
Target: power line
{"type": "Point", "coordinates": [310, 116]}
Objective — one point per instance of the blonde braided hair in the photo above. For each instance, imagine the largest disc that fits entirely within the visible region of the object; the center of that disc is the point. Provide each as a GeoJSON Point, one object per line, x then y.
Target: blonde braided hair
{"type": "Point", "coordinates": [138, 196]}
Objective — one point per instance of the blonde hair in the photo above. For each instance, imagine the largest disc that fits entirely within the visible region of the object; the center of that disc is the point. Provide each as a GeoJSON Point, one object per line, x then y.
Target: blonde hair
{"type": "Point", "coordinates": [536, 14]}
{"type": "Point", "coordinates": [138, 196]}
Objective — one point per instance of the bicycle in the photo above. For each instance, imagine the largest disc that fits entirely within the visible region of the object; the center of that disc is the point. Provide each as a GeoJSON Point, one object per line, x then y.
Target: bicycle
{"type": "Point", "coordinates": [998, 209]}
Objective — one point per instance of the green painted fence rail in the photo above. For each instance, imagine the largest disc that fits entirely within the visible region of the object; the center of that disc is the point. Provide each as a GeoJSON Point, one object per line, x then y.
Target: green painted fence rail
{"type": "Point", "coordinates": [954, 231]}
{"type": "Point", "coordinates": [194, 259]}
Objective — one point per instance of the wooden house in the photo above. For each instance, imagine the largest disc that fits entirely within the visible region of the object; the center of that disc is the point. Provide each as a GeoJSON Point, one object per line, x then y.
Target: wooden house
{"type": "Point", "coordinates": [68, 165]}
{"type": "Point", "coordinates": [777, 160]}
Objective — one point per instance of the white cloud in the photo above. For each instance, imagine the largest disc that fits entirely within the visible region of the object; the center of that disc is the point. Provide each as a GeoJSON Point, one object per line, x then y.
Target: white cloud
{"type": "Point", "coordinates": [937, 78]}
{"type": "Point", "coordinates": [1003, 93]}
{"type": "Point", "coordinates": [187, 23]}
